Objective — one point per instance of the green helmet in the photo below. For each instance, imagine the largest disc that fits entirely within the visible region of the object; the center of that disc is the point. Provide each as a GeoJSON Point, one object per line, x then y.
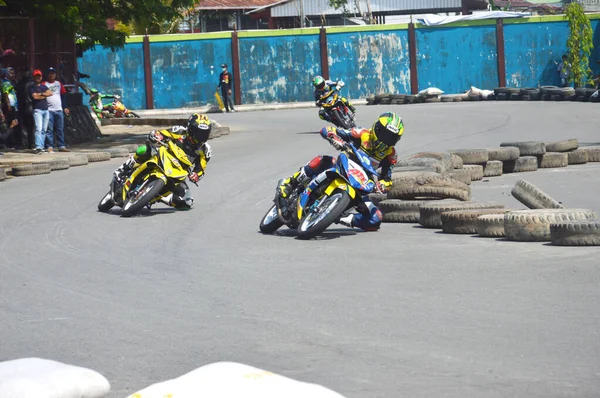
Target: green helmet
{"type": "Point", "coordinates": [387, 129]}
{"type": "Point", "coordinates": [94, 91]}
{"type": "Point", "coordinates": [319, 82]}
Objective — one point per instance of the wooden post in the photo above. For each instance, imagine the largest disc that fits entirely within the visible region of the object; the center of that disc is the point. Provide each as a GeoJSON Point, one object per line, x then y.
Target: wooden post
{"type": "Point", "coordinates": [31, 44]}
{"type": "Point", "coordinates": [412, 55]}
{"type": "Point", "coordinates": [235, 59]}
{"type": "Point", "coordinates": [324, 57]}
{"type": "Point", "coordinates": [500, 53]}
{"type": "Point", "coordinates": [148, 73]}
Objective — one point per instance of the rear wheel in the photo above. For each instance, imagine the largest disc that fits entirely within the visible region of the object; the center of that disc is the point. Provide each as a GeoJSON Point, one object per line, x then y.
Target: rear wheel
{"type": "Point", "coordinates": [342, 121]}
{"type": "Point", "coordinates": [326, 213]}
{"type": "Point", "coordinates": [143, 197]}
{"type": "Point", "coordinates": [106, 203]}
{"type": "Point", "coordinates": [270, 222]}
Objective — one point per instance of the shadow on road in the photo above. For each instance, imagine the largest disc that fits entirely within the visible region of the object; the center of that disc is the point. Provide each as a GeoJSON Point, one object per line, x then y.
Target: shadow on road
{"type": "Point", "coordinates": [327, 235]}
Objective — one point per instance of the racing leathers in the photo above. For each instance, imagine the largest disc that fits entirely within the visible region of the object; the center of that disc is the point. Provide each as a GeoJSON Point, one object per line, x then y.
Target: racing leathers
{"type": "Point", "coordinates": [199, 155]}
{"type": "Point", "coordinates": [320, 92]}
{"type": "Point", "coordinates": [369, 217]}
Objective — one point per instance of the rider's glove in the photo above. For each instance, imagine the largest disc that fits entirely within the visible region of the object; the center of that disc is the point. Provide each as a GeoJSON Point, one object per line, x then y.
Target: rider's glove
{"type": "Point", "coordinates": [337, 143]}
{"type": "Point", "coordinates": [155, 136]}
{"type": "Point", "coordinates": [383, 186]}
{"type": "Point", "coordinates": [117, 97]}
{"type": "Point", "coordinates": [207, 151]}
{"type": "Point", "coordinates": [339, 86]}
{"type": "Point", "coordinates": [194, 177]}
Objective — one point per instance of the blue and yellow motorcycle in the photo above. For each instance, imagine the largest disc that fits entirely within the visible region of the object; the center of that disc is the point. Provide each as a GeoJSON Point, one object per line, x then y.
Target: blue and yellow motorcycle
{"type": "Point", "coordinates": [311, 208]}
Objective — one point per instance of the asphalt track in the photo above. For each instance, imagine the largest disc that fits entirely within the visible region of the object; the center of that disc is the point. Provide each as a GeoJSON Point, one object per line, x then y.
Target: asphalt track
{"type": "Point", "coordinates": [403, 312]}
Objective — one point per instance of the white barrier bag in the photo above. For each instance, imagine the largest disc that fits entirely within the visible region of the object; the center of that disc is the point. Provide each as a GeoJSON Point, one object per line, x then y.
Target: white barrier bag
{"type": "Point", "coordinates": [234, 380]}
{"type": "Point", "coordinates": [430, 92]}
{"type": "Point", "coordinates": [43, 378]}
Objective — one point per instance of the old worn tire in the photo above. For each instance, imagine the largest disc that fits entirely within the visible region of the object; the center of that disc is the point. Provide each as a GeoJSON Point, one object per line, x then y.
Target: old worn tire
{"type": "Point", "coordinates": [476, 171]}
{"type": "Point", "coordinates": [429, 187]}
{"type": "Point", "coordinates": [430, 215]}
{"type": "Point", "coordinates": [376, 198]}
{"type": "Point", "coordinates": [214, 133]}
{"type": "Point", "coordinates": [534, 225]}
{"type": "Point", "coordinates": [457, 162]}
{"type": "Point", "coordinates": [462, 175]}
{"type": "Point", "coordinates": [504, 153]}
{"type": "Point", "coordinates": [575, 233]}
{"type": "Point", "coordinates": [490, 225]}
{"type": "Point", "coordinates": [593, 153]}
{"type": "Point", "coordinates": [59, 164]}
{"type": "Point", "coordinates": [117, 152]}
{"type": "Point", "coordinates": [78, 160]}
{"type": "Point", "coordinates": [31, 169]}
{"type": "Point", "coordinates": [431, 100]}
{"type": "Point", "coordinates": [444, 158]}
{"type": "Point", "coordinates": [465, 221]}
{"type": "Point", "coordinates": [429, 163]}
{"type": "Point", "coordinates": [552, 160]}
{"type": "Point", "coordinates": [562, 146]}
{"type": "Point", "coordinates": [577, 156]}
{"type": "Point", "coordinates": [471, 156]}
{"type": "Point", "coordinates": [522, 164]}
{"type": "Point", "coordinates": [527, 148]}
{"type": "Point", "coordinates": [398, 177]}
{"type": "Point", "coordinates": [533, 197]}
{"type": "Point", "coordinates": [98, 156]}
{"type": "Point", "coordinates": [403, 211]}
{"type": "Point", "coordinates": [492, 168]}
{"type": "Point", "coordinates": [3, 175]}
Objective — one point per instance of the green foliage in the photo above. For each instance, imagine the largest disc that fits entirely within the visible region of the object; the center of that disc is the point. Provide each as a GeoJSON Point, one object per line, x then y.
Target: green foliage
{"type": "Point", "coordinates": [580, 44]}
{"type": "Point", "coordinates": [88, 18]}
{"type": "Point", "coordinates": [337, 4]}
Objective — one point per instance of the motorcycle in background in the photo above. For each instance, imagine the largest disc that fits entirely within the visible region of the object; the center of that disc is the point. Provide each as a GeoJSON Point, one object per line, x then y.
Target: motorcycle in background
{"type": "Point", "coordinates": [338, 112]}
{"type": "Point", "coordinates": [114, 109]}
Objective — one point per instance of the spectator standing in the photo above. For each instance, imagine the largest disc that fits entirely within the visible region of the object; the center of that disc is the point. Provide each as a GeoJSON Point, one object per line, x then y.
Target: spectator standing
{"type": "Point", "coordinates": [10, 106]}
{"type": "Point", "coordinates": [564, 70]}
{"type": "Point", "coordinates": [38, 93]}
{"type": "Point", "coordinates": [56, 119]}
{"type": "Point", "coordinates": [225, 82]}
{"type": "Point", "coordinates": [26, 108]}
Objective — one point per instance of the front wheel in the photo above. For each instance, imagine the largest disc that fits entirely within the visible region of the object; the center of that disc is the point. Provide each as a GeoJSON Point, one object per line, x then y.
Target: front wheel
{"type": "Point", "coordinates": [132, 114]}
{"type": "Point", "coordinates": [326, 213]}
{"type": "Point", "coordinates": [143, 197]}
{"type": "Point", "coordinates": [342, 120]}
{"type": "Point", "coordinates": [106, 203]}
{"type": "Point", "coordinates": [270, 222]}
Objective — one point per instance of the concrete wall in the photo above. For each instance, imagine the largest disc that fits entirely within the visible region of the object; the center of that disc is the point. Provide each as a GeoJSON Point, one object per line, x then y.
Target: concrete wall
{"type": "Point", "coordinates": [278, 68]}
{"type": "Point", "coordinates": [278, 65]}
{"type": "Point", "coordinates": [186, 73]}
{"type": "Point", "coordinates": [369, 62]}
{"type": "Point", "coordinates": [454, 59]}
{"type": "Point", "coordinates": [119, 73]}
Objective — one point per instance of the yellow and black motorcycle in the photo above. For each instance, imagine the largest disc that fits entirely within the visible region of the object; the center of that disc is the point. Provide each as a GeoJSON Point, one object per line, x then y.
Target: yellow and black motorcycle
{"type": "Point", "coordinates": [149, 182]}
{"type": "Point", "coordinates": [338, 112]}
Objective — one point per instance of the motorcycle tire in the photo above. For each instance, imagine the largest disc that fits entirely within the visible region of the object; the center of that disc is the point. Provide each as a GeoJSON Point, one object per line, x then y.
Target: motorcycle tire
{"type": "Point", "coordinates": [134, 115]}
{"type": "Point", "coordinates": [327, 212]}
{"type": "Point", "coordinates": [133, 205]}
{"type": "Point", "coordinates": [270, 222]}
{"type": "Point", "coordinates": [341, 119]}
{"type": "Point", "coordinates": [106, 203]}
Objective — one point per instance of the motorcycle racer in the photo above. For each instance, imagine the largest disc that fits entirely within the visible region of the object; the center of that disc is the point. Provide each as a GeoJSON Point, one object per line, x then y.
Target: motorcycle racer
{"type": "Point", "coordinates": [96, 98]}
{"type": "Point", "coordinates": [378, 142]}
{"type": "Point", "coordinates": [192, 140]}
{"type": "Point", "coordinates": [322, 87]}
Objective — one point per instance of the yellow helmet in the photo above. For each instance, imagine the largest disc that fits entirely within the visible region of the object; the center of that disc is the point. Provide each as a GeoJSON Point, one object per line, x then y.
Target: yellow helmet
{"type": "Point", "coordinates": [387, 129]}
{"type": "Point", "coordinates": [199, 127]}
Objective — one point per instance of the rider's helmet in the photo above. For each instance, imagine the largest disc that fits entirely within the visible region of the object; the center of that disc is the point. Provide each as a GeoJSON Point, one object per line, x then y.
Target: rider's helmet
{"type": "Point", "coordinates": [94, 91]}
{"type": "Point", "coordinates": [319, 82]}
{"type": "Point", "coordinates": [199, 128]}
{"type": "Point", "coordinates": [387, 130]}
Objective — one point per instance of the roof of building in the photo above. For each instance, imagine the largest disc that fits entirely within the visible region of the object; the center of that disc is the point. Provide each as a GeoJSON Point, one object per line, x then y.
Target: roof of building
{"type": "Point", "coordinates": [234, 4]}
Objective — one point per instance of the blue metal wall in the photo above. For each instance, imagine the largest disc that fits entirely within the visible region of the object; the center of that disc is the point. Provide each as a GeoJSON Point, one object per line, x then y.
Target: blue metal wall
{"type": "Point", "coordinates": [119, 73]}
{"type": "Point", "coordinates": [186, 73]}
{"type": "Point", "coordinates": [454, 59]}
{"type": "Point", "coordinates": [370, 62]}
{"type": "Point", "coordinates": [278, 69]}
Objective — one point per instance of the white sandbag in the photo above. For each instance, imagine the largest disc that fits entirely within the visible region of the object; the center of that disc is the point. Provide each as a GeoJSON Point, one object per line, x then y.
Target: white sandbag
{"type": "Point", "coordinates": [486, 93]}
{"type": "Point", "coordinates": [44, 378]}
{"type": "Point", "coordinates": [431, 91]}
{"type": "Point", "coordinates": [234, 380]}
{"type": "Point", "coordinates": [474, 92]}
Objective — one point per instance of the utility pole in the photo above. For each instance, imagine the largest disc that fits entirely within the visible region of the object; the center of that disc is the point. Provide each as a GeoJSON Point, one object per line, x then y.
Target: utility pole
{"type": "Point", "coordinates": [301, 13]}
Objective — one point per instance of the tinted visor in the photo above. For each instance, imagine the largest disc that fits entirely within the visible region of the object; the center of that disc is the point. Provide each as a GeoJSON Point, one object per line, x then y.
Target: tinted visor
{"type": "Point", "coordinates": [321, 86]}
{"type": "Point", "coordinates": [387, 137]}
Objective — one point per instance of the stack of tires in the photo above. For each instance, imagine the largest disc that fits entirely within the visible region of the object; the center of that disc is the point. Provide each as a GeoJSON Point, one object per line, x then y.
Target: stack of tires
{"type": "Point", "coordinates": [393, 99]}
{"type": "Point", "coordinates": [543, 93]}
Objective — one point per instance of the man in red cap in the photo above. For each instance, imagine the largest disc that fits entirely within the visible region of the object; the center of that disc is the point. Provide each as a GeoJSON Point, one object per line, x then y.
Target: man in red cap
{"type": "Point", "coordinates": [38, 93]}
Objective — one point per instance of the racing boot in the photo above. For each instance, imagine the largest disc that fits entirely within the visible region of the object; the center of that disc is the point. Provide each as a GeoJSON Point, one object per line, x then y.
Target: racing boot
{"type": "Point", "coordinates": [288, 185]}
{"type": "Point", "coordinates": [180, 198]}
{"type": "Point", "coordinates": [125, 169]}
{"type": "Point", "coordinates": [347, 221]}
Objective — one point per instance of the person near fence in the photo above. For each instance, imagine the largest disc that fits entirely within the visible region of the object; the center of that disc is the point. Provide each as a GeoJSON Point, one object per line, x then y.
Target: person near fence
{"type": "Point", "coordinates": [26, 108]}
{"type": "Point", "coordinates": [225, 83]}
{"type": "Point", "coordinates": [39, 94]}
{"type": "Point", "coordinates": [10, 108]}
{"type": "Point", "coordinates": [564, 70]}
{"type": "Point", "coordinates": [56, 112]}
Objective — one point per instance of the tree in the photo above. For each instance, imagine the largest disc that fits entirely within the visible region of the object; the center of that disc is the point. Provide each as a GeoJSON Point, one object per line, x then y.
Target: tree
{"type": "Point", "coordinates": [87, 18]}
{"type": "Point", "coordinates": [580, 44]}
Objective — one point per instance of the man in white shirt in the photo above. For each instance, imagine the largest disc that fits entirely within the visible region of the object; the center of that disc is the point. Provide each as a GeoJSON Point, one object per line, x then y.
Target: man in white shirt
{"type": "Point", "coordinates": [56, 123]}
